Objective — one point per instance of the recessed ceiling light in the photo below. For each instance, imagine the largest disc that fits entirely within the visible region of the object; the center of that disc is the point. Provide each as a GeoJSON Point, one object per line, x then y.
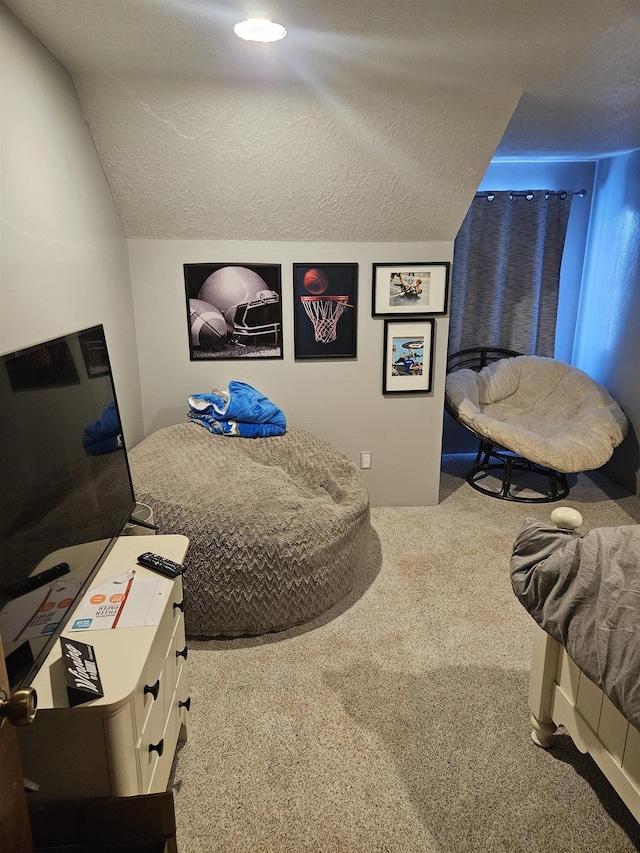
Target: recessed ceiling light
{"type": "Point", "coordinates": [259, 29]}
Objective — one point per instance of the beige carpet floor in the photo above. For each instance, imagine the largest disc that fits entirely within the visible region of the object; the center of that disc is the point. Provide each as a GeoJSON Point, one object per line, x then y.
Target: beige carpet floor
{"type": "Point", "coordinates": [398, 722]}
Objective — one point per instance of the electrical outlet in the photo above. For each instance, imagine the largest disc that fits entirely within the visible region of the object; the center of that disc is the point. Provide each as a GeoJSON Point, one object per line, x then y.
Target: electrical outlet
{"type": "Point", "coordinates": [365, 459]}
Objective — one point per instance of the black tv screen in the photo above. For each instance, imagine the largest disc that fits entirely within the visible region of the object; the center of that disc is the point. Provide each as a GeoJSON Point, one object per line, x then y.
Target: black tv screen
{"type": "Point", "coordinates": [65, 487]}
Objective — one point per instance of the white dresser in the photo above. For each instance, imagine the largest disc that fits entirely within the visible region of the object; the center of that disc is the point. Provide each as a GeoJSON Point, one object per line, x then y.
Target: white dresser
{"type": "Point", "coordinates": [124, 743]}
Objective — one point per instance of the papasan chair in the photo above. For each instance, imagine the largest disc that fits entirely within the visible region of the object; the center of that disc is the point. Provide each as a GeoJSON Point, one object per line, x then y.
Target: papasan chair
{"type": "Point", "coordinates": [531, 413]}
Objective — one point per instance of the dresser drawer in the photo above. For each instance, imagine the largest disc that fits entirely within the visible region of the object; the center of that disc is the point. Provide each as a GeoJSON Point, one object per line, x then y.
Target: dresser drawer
{"type": "Point", "coordinates": [179, 650]}
{"type": "Point", "coordinates": [159, 767]}
{"type": "Point", "coordinates": [111, 746]}
{"type": "Point", "coordinates": [159, 728]}
{"type": "Point", "coordinates": [151, 748]}
{"type": "Point", "coordinates": [150, 690]}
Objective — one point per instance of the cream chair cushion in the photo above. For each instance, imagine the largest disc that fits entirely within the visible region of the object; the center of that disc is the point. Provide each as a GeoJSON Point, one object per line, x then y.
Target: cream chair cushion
{"type": "Point", "coordinates": [543, 409]}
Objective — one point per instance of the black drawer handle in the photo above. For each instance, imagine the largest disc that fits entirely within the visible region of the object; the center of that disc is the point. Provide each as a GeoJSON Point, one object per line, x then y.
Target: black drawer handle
{"type": "Point", "coordinates": [178, 605]}
{"type": "Point", "coordinates": [153, 689]}
{"type": "Point", "coordinates": [186, 704]}
{"type": "Point", "coordinates": [183, 653]}
{"type": "Point", "coordinates": [157, 747]}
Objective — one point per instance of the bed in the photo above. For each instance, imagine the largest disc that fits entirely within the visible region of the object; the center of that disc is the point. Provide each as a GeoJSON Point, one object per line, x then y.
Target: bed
{"type": "Point", "coordinates": [583, 593]}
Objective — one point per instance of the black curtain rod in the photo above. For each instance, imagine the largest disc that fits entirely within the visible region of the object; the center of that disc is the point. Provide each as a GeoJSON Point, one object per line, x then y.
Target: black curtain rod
{"type": "Point", "coordinates": [530, 194]}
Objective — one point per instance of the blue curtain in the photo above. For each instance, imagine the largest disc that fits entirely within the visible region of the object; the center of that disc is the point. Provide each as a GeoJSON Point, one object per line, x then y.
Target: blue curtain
{"type": "Point", "coordinates": [506, 271]}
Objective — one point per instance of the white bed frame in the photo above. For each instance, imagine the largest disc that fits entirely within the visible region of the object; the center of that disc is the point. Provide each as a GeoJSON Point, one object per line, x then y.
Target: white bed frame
{"type": "Point", "coordinates": [561, 695]}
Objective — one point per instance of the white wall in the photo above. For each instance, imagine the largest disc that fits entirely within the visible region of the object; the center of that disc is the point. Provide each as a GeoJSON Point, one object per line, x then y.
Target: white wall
{"type": "Point", "coordinates": [608, 337]}
{"type": "Point", "coordinates": [65, 267]}
{"type": "Point", "coordinates": [64, 255]}
{"type": "Point", "coordinates": [341, 400]}
{"type": "Point", "coordinates": [191, 158]}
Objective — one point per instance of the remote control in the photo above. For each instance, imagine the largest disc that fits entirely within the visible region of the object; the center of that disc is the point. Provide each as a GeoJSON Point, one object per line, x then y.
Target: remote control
{"type": "Point", "coordinates": [35, 581]}
{"type": "Point", "coordinates": [160, 564]}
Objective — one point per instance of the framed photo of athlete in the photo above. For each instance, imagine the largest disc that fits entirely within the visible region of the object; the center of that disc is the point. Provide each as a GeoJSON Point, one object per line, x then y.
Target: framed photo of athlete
{"type": "Point", "coordinates": [408, 356]}
{"type": "Point", "coordinates": [325, 310]}
{"type": "Point", "coordinates": [413, 288]}
{"type": "Point", "coordinates": [233, 310]}
{"type": "Point", "coordinates": [94, 353]}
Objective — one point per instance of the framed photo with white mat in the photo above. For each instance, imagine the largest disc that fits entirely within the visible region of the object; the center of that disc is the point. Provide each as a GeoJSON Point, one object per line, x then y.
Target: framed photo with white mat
{"type": "Point", "coordinates": [410, 289]}
{"type": "Point", "coordinates": [408, 356]}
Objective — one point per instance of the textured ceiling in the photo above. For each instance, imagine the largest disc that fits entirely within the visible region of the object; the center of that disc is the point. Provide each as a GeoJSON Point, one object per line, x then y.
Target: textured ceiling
{"type": "Point", "coordinates": [371, 121]}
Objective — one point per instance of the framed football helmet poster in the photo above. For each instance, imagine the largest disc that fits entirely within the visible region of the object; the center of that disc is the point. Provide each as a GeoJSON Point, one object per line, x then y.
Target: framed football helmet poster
{"type": "Point", "coordinates": [234, 310]}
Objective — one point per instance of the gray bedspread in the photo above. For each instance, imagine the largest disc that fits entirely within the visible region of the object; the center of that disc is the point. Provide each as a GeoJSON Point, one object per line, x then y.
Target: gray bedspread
{"type": "Point", "coordinates": [585, 592]}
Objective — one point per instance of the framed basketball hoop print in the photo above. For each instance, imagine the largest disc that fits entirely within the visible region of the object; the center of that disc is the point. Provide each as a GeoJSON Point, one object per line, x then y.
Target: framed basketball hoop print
{"type": "Point", "coordinates": [325, 310]}
{"type": "Point", "coordinates": [234, 310]}
{"type": "Point", "coordinates": [412, 288]}
{"type": "Point", "coordinates": [408, 356]}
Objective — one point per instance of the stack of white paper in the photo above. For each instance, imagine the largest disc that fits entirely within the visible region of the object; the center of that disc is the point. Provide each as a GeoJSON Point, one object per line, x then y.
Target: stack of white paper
{"type": "Point", "coordinates": [124, 601]}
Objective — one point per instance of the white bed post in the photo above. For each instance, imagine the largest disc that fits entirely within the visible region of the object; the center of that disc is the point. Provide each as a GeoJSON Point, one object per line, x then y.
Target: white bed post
{"type": "Point", "coordinates": [544, 660]}
{"type": "Point", "coordinates": [544, 663]}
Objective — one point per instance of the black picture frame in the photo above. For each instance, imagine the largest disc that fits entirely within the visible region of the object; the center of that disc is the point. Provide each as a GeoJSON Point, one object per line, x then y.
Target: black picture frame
{"type": "Point", "coordinates": [408, 341]}
{"type": "Point", "coordinates": [325, 310]}
{"type": "Point", "coordinates": [48, 366]}
{"type": "Point", "coordinates": [234, 311]}
{"type": "Point", "coordinates": [410, 289]}
{"type": "Point", "coordinates": [94, 353]}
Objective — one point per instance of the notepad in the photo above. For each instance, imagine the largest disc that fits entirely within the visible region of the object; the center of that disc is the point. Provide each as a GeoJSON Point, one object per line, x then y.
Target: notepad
{"type": "Point", "coordinates": [123, 601]}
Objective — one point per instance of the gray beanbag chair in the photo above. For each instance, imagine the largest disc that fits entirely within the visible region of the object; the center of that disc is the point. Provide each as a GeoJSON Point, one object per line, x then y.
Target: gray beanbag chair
{"type": "Point", "coordinates": [278, 526]}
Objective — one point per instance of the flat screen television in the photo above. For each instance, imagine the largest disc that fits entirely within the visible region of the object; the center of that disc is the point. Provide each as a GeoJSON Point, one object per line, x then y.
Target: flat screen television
{"type": "Point", "coordinates": [65, 488]}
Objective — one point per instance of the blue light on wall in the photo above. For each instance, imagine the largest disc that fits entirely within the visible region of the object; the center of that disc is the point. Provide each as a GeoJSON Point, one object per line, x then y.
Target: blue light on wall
{"type": "Point", "coordinates": [606, 332]}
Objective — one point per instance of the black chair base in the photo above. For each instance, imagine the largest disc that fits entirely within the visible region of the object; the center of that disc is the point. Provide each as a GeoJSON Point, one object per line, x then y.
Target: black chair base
{"type": "Point", "coordinates": [556, 485]}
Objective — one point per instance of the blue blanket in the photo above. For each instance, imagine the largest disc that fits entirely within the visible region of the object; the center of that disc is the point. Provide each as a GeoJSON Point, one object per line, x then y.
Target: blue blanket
{"type": "Point", "coordinates": [105, 434]}
{"type": "Point", "coordinates": [240, 411]}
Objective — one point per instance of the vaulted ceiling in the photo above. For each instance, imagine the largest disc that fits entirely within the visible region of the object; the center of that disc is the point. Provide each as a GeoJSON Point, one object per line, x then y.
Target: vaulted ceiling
{"type": "Point", "coordinates": [371, 120]}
